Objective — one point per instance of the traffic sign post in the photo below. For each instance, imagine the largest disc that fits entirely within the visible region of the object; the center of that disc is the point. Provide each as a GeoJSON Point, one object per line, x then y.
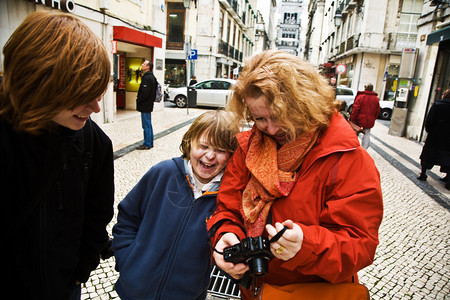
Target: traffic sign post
{"type": "Point", "coordinates": [341, 68]}
{"type": "Point", "coordinates": [192, 54]}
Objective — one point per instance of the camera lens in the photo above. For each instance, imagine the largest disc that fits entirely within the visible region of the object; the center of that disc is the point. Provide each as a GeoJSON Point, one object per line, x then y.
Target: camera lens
{"type": "Point", "coordinates": [258, 266]}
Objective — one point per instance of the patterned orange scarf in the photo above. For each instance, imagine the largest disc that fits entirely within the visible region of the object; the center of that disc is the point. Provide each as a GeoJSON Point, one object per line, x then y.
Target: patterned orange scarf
{"type": "Point", "coordinates": [273, 176]}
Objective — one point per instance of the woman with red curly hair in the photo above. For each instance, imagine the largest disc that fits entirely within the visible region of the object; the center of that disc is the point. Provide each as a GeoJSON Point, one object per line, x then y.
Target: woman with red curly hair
{"type": "Point", "coordinates": [299, 169]}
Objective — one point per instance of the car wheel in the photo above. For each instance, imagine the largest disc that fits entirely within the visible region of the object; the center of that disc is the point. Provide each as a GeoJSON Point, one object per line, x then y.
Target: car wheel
{"type": "Point", "coordinates": [385, 114]}
{"type": "Point", "coordinates": [180, 101]}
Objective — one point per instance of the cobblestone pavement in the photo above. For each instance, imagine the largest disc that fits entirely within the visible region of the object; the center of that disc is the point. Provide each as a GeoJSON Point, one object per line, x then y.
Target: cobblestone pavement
{"type": "Point", "coordinates": [412, 260]}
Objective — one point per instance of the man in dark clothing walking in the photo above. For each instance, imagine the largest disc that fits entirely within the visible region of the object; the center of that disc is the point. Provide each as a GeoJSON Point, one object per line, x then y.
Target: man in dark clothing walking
{"type": "Point", "coordinates": [365, 111]}
{"type": "Point", "coordinates": [144, 103]}
{"type": "Point", "coordinates": [436, 150]}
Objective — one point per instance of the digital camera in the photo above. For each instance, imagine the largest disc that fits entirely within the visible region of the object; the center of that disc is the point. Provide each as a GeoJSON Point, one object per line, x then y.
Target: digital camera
{"type": "Point", "coordinates": [254, 251]}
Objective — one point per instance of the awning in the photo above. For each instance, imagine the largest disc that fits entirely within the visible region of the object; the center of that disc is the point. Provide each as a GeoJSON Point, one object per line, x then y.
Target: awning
{"type": "Point", "coordinates": [439, 35]}
{"type": "Point", "coordinates": [327, 65]}
{"type": "Point", "coordinates": [133, 36]}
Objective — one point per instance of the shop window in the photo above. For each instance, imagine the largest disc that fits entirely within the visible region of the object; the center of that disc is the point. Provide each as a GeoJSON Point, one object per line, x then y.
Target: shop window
{"type": "Point", "coordinates": [391, 83]}
{"type": "Point", "coordinates": [175, 73]}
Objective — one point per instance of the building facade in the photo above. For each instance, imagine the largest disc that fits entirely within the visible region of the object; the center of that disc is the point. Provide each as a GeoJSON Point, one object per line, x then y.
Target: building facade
{"type": "Point", "coordinates": [221, 33]}
{"type": "Point", "coordinates": [373, 41]}
{"type": "Point", "coordinates": [124, 28]}
{"type": "Point", "coordinates": [292, 26]}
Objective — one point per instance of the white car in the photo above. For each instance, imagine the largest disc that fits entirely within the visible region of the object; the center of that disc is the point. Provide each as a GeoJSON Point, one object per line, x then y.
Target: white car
{"type": "Point", "coordinates": [347, 95]}
{"type": "Point", "coordinates": [386, 109]}
{"type": "Point", "coordinates": [211, 92]}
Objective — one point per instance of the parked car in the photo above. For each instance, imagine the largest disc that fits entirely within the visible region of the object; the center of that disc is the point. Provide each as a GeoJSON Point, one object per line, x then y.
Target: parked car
{"type": "Point", "coordinates": [347, 95]}
{"type": "Point", "coordinates": [211, 92]}
{"type": "Point", "coordinates": [386, 109]}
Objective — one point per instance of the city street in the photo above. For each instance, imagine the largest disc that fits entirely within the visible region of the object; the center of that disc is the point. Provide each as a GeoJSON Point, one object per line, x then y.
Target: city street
{"type": "Point", "coordinates": [413, 258]}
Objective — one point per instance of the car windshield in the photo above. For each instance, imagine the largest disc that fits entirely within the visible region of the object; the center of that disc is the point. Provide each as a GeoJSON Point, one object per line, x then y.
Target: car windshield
{"type": "Point", "coordinates": [213, 85]}
{"type": "Point", "coordinates": [344, 92]}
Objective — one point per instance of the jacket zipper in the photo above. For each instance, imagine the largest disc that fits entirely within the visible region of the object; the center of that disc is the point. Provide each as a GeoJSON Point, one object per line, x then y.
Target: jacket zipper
{"type": "Point", "coordinates": [169, 264]}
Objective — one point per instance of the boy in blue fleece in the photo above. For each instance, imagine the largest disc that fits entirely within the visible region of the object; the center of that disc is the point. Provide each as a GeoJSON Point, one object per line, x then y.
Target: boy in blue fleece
{"type": "Point", "coordinates": [160, 239]}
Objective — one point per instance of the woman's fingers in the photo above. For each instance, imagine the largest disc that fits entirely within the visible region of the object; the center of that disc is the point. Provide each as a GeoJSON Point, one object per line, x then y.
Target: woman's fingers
{"type": "Point", "coordinates": [289, 243]}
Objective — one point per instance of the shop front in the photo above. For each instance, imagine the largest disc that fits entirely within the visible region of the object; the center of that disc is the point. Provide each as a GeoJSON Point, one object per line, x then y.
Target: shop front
{"type": "Point", "coordinates": [133, 48]}
{"type": "Point", "coordinates": [175, 73]}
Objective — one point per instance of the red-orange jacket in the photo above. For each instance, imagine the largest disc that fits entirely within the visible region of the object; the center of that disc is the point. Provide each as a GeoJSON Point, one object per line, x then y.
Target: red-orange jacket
{"type": "Point", "coordinates": [337, 202]}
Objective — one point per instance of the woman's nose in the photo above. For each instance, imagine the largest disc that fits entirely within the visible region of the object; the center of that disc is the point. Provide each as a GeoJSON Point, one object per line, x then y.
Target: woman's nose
{"type": "Point", "coordinates": [272, 127]}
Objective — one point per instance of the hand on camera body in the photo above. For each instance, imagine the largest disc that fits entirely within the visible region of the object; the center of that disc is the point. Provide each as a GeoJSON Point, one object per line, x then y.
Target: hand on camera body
{"type": "Point", "coordinates": [236, 271]}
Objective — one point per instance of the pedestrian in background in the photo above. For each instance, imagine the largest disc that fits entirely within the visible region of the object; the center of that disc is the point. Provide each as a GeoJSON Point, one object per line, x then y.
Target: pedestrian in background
{"type": "Point", "coordinates": [301, 168]}
{"type": "Point", "coordinates": [366, 109]}
{"type": "Point", "coordinates": [145, 102]}
{"type": "Point", "coordinates": [333, 82]}
{"type": "Point", "coordinates": [57, 178]}
{"type": "Point", "coordinates": [193, 80]}
{"type": "Point", "coordinates": [436, 150]}
{"type": "Point", "coordinates": [160, 239]}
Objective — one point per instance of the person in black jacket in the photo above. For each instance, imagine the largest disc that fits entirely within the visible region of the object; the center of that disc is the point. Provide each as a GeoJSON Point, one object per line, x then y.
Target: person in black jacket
{"type": "Point", "coordinates": [56, 173]}
{"type": "Point", "coordinates": [144, 103]}
{"type": "Point", "coordinates": [436, 150]}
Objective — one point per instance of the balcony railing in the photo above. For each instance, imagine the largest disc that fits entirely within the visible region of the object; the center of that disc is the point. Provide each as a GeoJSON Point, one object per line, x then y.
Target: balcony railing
{"type": "Point", "coordinates": [229, 51]}
{"type": "Point", "coordinates": [223, 48]}
{"type": "Point", "coordinates": [352, 42]}
{"type": "Point", "coordinates": [346, 5]}
{"type": "Point", "coordinates": [347, 45]}
{"type": "Point", "coordinates": [398, 41]}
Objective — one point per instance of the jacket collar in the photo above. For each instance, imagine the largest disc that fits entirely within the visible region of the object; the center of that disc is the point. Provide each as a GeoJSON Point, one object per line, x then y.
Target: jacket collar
{"type": "Point", "coordinates": [338, 137]}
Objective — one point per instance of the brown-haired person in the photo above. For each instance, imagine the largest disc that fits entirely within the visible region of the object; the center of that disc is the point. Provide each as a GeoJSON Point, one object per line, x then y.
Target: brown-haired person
{"type": "Point", "coordinates": [160, 239]}
{"type": "Point", "coordinates": [56, 164]}
{"type": "Point", "coordinates": [300, 166]}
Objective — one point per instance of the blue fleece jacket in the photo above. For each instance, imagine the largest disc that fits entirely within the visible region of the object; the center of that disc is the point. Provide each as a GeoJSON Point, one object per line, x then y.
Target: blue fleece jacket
{"type": "Point", "coordinates": [160, 239]}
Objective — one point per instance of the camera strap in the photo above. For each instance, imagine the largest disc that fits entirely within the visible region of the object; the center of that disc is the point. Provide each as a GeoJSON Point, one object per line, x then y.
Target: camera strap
{"type": "Point", "coordinates": [277, 236]}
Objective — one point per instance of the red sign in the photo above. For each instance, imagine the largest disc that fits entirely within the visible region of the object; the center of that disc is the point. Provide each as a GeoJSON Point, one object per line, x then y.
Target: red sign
{"type": "Point", "coordinates": [113, 47]}
{"type": "Point", "coordinates": [341, 68]}
{"type": "Point", "coordinates": [122, 73]}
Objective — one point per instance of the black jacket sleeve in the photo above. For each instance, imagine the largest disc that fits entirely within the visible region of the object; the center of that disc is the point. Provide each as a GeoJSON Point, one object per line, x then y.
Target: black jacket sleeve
{"type": "Point", "coordinates": [99, 206]}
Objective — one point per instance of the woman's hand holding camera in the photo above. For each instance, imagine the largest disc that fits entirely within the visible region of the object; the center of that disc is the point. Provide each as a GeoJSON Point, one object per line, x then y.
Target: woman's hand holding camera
{"type": "Point", "coordinates": [289, 243]}
{"type": "Point", "coordinates": [234, 270]}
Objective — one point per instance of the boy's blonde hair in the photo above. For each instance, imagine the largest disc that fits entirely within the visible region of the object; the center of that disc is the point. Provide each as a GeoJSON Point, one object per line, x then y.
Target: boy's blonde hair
{"type": "Point", "coordinates": [220, 132]}
{"type": "Point", "coordinates": [299, 97]}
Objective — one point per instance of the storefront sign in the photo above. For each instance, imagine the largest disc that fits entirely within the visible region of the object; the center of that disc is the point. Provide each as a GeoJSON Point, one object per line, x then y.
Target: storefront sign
{"type": "Point", "coordinates": [65, 5]}
{"type": "Point", "coordinates": [122, 74]}
{"type": "Point", "coordinates": [113, 47]}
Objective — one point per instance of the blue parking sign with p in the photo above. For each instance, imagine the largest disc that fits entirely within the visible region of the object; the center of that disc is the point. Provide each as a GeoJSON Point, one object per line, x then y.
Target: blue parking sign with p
{"type": "Point", "coordinates": [193, 54]}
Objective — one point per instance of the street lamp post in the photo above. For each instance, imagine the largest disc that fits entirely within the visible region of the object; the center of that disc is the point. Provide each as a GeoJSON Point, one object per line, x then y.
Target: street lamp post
{"type": "Point", "coordinates": [187, 6]}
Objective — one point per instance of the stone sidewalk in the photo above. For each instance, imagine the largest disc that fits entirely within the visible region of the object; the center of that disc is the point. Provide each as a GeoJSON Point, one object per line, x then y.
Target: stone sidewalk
{"type": "Point", "coordinates": [412, 260]}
